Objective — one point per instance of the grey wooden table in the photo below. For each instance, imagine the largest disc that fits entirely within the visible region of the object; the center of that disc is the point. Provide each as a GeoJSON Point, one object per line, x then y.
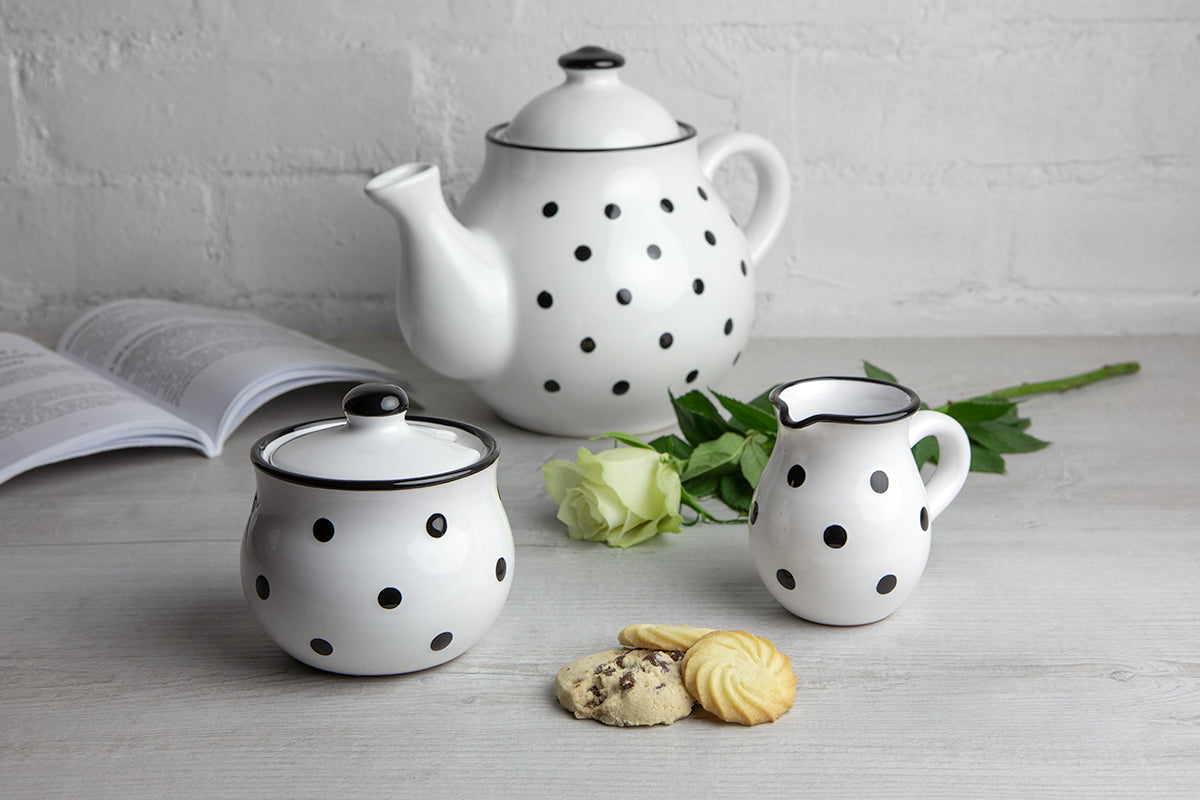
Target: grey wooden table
{"type": "Point", "coordinates": [1052, 648]}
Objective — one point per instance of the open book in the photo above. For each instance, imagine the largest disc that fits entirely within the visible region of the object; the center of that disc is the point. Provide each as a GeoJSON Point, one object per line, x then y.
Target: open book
{"type": "Point", "coordinates": [153, 372]}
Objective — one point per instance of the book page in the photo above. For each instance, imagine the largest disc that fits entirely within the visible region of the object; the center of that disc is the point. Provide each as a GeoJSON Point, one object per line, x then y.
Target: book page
{"type": "Point", "coordinates": [211, 367]}
{"type": "Point", "coordinates": [52, 409]}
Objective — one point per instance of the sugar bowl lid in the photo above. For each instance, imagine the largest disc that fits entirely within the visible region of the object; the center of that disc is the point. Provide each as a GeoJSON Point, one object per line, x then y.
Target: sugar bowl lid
{"type": "Point", "coordinates": [376, 446]}
{"type": "Point", "coordinates": [591, 110]}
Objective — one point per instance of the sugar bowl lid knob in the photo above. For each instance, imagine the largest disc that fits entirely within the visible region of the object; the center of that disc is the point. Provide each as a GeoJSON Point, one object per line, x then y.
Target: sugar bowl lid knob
{"type": "Point", "coordinates": [371, 400]}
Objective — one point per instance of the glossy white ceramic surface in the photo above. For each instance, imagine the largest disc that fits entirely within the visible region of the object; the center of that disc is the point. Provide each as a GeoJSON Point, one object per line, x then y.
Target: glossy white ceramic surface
{"type": "Point", "coordinates": [841, 521]}
{"type": "Point", "coordinates": [573, 288]}
{"type": "Point", "coordinates": [373, 576]}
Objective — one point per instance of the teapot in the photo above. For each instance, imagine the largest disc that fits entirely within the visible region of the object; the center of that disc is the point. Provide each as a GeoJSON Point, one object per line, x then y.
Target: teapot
{"type": "Point", "coordinates": [592, 267]}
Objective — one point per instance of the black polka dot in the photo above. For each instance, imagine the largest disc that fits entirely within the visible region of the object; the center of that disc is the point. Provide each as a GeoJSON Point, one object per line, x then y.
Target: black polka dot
{"type": "Point", "coordinates": [835, 536]}
{"type": "Point", "coordinates": [545, 299]}
{"type": "Point", "coordinates": [583, 252]}
{"type": "Point", "coordinates": [754, 513]}
{"type": "Point", "coordinates": [501, 569]}
{"type": "Point", "coordinates": [702, 193]}
{"type": "Point", "coordinates": [795, 476]}
{"type": "Point", "coordinates": [879, 481]}
{"type": "Point", "coordinates": [691, 376]}
{"type": "Point", "coordinates": [435, 526]}
{"type": "Point", "coordinates": [587, 344]}
{"type": "Point", "coordinates": [710, 237]}
{"type": "Point", "coordinates": [441, 641]}
{"type": "Point", "coordinates": [666, 205]}
{"type": "Point", "coordinates": [737, 356]}
{"type": "Point", "coordinates": [666, 340]}
{"type": "Point", "coordinates": [550, 209]}
{"type": "Point", "coordinates": [389, 597]}
{"type": "Point", "coordinates": [321, 647]}
{"type": "Point", "coordinates": [924, 518]}
{"type": "Point", "coordinates": [654, 251]}
{"type": "Point", "coordinates": [612, 211]}
{"type": "Point", "coordinates": [698, 286]}
{"type": "Point", "coordinates": [786, 579]}
{"type": "Point", "coordinates": [624, 297]}
{"type": "Point", "coordinates": [262, 587]}
{"type": "Point", "coordinates": [620, 387]}
{"type": "Point", "coordinates": [728, 327]}
{"type": "Point", "coordinates": [886, 584]}
{"type": "Point", "coordinates": [743, 267]}
{"type": "Point", "coordinates": [322, 530]}
{"type": "Point", "coordinates": [551, 385]}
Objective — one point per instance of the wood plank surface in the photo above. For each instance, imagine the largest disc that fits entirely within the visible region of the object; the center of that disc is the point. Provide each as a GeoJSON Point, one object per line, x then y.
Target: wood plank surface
{"type": "Point", "coordinates": [1051, 650]}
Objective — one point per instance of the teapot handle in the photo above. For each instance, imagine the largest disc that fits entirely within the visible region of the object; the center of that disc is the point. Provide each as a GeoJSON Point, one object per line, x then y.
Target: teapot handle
{"type": "Point", "coordinates": [954, 457]}
{"type": "Point", "coordinates": [774, 186]}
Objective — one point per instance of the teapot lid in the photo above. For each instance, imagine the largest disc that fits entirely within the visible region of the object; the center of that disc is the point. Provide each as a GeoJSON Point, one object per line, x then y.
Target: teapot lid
{"type": "Point", "coordinates": [592, 110]}
{"type": "Point", "coordinates": [376, 446]}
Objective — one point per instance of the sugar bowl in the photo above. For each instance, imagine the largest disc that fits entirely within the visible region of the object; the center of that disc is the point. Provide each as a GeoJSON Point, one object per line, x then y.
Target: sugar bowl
{"type": "Point", "coordinates": [377, 543]}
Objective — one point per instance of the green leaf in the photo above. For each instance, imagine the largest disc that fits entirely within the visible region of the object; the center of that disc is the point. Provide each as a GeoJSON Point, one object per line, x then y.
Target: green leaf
{"type": "Point", "coordinates": [624, 438]}
{"type": "Point", "coordinates": [1001, 438]}
{"type": "Point", "coordinates": [672, 445]}
{"type": "Point", "coordinates": [878, 374]}
{"type": "Point", "coordinates": [925, 450]}
{"type": "Point", "coordinates": [978, 409]}
{"type": "Point", "coordinates": [763, 402]}
{"type": "Point", "coordinates": [699, 420]}
{"type": "Point", "coordinates": [984, 460]}
{"type": "Point", "coordinates": [753, 460]}
{"type": "Point", "coordinates": [735, 492]}
{"type": "Point", "coordinates": [753, 418]}
{"type": "Point", "coordinates": [702, 486]}
{"type": "Point", "coordinates": [718, 457]}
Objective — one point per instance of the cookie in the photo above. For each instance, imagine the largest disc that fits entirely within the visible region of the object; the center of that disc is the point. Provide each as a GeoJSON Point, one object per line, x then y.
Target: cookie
{"type": "Point", "coordinates": [625, 687]}
{"type": "Point", "coordinates": [739, 677]}
{"type": "Point", "coordinates": [661, 637]}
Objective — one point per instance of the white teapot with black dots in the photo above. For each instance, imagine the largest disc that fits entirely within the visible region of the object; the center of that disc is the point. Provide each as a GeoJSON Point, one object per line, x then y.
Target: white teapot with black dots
{"type": "Point", "coordinates": [592, 266]}
{"type": "Point", "coordinates": [377, 543]}
{"type": "Point", "coordinates": [840, 522]}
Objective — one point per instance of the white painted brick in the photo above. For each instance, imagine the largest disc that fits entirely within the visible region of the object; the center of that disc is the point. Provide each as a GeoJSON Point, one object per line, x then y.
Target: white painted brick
{"type": "Point", "coordinates": [63, 247]}
{"type": "Point", "coordinates": [10, 151]}
{"type": "Point", "coordinates": [314, 236]}
{"type": "Point", "coordinates": [346, 113]}
{"type": "Point", "coordinates": [81, 16]}
{"type": "Point", "coordinates": [1109, 237]}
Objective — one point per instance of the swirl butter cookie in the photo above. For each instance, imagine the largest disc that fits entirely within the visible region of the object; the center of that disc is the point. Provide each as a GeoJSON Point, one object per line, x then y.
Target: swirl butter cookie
{"type": "Point", "coordinates": [739, 677]}
{"type": "Point", "coordinates": [661, 637]}
{"type": "Point", "coordinates": [625, 687]}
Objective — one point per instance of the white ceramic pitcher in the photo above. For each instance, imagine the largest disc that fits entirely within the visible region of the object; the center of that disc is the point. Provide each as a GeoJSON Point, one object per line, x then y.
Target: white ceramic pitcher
{"type": "Point", "coordinates": [840, 522]}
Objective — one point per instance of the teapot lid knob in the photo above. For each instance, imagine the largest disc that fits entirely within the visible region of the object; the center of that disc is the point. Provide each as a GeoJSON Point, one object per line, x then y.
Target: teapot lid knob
{"type": "Point", "coordinates": [591, 57]}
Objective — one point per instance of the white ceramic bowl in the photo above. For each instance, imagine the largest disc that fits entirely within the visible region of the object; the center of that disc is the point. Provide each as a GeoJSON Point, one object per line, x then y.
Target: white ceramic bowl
{"type": "Point", "coordinates": [355, 563]}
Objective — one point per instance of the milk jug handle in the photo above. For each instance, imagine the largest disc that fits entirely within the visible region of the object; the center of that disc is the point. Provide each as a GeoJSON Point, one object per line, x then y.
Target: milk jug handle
{"type": "Point", "coordinates": [954, 457]}
{"type": "Point", "coordinates": [774, 186]}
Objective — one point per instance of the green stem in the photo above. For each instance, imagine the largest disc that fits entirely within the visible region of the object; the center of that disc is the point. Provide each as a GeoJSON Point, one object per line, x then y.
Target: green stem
{"type": "Point", "coordinates": [1066, 384]}
{"type": "Point", "coordinates": [691, 501]}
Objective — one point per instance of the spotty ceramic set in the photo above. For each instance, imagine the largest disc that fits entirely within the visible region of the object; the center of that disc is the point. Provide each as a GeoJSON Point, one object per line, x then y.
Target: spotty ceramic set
{"type": "Point", "coordinates": [591, 270]}
{"type": "Point", "coordinates": [840, 522]}
{"type": "Point", "coordinates": [593, 266]}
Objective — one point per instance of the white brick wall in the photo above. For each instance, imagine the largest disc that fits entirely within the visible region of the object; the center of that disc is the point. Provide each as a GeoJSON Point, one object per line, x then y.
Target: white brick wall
{"type": "Point", "coordinates": [960, 166]}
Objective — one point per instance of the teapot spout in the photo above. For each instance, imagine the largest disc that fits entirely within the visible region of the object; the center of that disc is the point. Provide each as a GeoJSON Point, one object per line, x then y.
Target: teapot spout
{"type": "Point", "coordinates": [453, 296]}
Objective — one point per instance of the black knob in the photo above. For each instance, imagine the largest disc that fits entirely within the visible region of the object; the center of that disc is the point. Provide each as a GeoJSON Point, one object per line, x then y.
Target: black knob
{"type": "Point", "coordinates": [375, 400]}
{"type": "Point", "coordinates": [591, 57]}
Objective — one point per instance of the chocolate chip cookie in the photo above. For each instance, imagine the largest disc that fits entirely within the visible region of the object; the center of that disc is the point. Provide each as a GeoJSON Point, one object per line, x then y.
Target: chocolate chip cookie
{"type": "Point", "coordinates": [625, 687]}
